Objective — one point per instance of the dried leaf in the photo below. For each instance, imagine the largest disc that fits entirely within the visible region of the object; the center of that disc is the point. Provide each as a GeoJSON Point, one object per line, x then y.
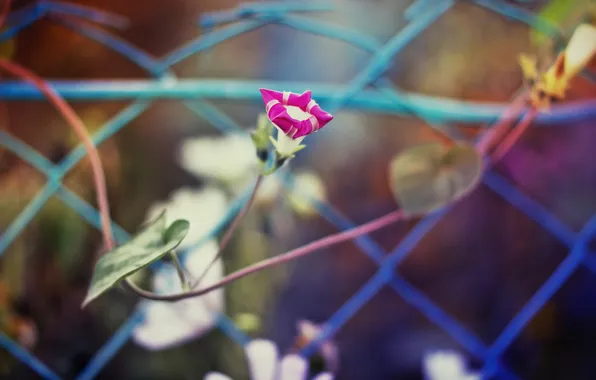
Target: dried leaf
{"type": "Point", "coordinates": [427, 177]}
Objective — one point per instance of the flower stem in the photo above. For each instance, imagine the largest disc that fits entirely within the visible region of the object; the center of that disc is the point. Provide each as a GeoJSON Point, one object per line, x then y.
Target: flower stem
{"type": "Point", "coordinates": [294, 254]}
{"type": "Point", "coordinates": [180, 271]}
{"type": "Point", "coordinates": [502, 125]}
{"type": "Point", "coordinates": [513, 136]}
{"type": "Point", "coordinates": [230, 231]}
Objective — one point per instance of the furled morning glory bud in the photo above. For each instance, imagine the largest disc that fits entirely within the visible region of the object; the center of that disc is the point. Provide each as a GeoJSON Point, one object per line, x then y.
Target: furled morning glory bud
{"type": "Point", "coordinates": [295, 116]}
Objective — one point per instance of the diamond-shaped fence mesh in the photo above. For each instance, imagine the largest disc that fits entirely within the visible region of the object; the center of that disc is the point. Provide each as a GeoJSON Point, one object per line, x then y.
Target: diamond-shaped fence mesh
{"type": "Point", "coordinates": [369, 91]}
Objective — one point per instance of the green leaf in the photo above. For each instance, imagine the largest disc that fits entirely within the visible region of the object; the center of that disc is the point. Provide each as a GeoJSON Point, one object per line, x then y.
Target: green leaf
{"type": "Point", "coordinates": [152, 242]}
{"type": "Point", "coordinates": [260, 136]}
{"type": "Point", "coordinates": [564, 14]}
{"type": "Point", "coordinates": [427, 177]}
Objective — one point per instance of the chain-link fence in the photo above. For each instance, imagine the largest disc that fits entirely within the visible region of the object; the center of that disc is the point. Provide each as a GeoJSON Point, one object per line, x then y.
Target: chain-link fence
{"type": "Point", "coordinates": [369, 91]}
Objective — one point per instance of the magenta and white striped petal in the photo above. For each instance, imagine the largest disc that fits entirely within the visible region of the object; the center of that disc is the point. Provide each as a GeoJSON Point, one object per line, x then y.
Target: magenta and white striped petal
{"type": "Point", "coordinates": [277, 105]}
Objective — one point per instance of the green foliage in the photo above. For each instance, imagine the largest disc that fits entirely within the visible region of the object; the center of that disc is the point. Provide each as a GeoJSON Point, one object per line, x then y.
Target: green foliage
{"type": "Point", "coordinates": [150, 244]}
{"type": "Point", "coordinates": [427, 177]}
{"type": "Point", "coordinates": [260, 136]}
{"type": "Point", "coordinates": [565, 14]}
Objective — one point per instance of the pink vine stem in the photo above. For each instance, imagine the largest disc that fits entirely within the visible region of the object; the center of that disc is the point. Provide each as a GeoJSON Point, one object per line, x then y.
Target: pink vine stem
{"type": "Point", "coordinates": [79, 128]}
{"type": "Point", "coordinates": [500, 129]}
{"type": "Point", "coordinates": [510, 140]}
{"type": "Point", "coordinates": [294, 254]}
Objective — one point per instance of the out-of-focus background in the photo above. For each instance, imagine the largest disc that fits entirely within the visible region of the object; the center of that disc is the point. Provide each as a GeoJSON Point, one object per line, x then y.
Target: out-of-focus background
{"type": "Point", "coordinates": [480, 264]}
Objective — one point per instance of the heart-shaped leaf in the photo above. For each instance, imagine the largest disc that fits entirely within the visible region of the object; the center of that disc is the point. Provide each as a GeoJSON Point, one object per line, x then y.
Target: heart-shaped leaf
{"type": "Point", "coordinates": [149, 245]}
{"type": "Point", "coordinates": [427, 177]}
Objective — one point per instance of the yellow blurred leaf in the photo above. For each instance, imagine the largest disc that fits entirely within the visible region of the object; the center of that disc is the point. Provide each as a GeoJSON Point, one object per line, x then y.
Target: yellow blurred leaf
{"type": "Point", "coordinates": [308, 187]}
{"type": "Point", "coordinates": [8, 47]}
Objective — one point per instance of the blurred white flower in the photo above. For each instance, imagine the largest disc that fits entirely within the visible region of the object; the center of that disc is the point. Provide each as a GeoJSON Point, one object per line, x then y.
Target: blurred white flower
{"type": "Point", "coordinates": [170, 324]}
{"type": "Point", "coordinates": [307, 186]}
{"type": "Point", "coordinates": [203, 208]}
{"type": "Point", "coordinates": [447, 365]}
{"type": "Point", "coordinates": [264, 364]}
{"type": "Point", "coordinates": [230, 158]}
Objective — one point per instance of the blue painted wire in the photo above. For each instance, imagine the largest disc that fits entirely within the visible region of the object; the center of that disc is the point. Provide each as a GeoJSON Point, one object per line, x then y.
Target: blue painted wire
{"type": "Point", "coordinates": [416, 8]}
{"type": "Point", "coordinates": [520, 14]}
{"type": "Point", "coordinates": [546, 291]}
{"type": "Point", "coordinates": [346, 311]}
{"type": "Point", "coordinates": [23, 355]}
{"type": "Point", "coordinates": [215, 117]}
{"type": "Point", "coordinates": [212, 19]}
{"type": "Point", "coordinates": [87, 13]}
{"type": "Point", "coordinates": [125, 48]}
{"type": "Point", "coordinates": [54, 175]}
{"type": "Point", "coordinates": [109, 129]}
{"type": "Point", "coordinates": [408, 292]}
{"type": "Point", "coordinates": [382, 58]}
{"type": "Point", "coordinates": [19, 223]}
{"type": "Point", "coordinates": [227, 326]}
{"type": "Point", "coordinates": [383, 275]}
{"type": "Point", "coordinates": [89, 213]}
{"type": "Point", "coordinates": [434, 108]}
{"type": "Point", "coordinates": [209, 40]}
{"type": "Point", "coordinates": [531, 208]}
{"type": "Point", "coordinates": [335, 32]}
{"type": "Point", "coordinates": [111, 348]}
{"type": "Point", "coordinates": [288, 6]}
{"type": "Point", "coordinates": [20, 20]}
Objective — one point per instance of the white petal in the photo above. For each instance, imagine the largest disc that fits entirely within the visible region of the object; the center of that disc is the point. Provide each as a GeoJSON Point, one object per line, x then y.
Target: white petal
{"type": "Point", "coordinates": [262, 359]}
{"type": "Point", "coordinates": [444, 365]}
{"type": "Point", "coordinates": [203, 311]}
{"type": "Point", "coordinates": [203, 208]}
{"type": "Point", "coordinates": [169, 324]}
{"type": "Point", "coordinates": [324, 376]}
{"type": "Point", "coordinates": [163, 330]}
{"type": "Point", "coordinates": [229, 158]}
{"type": "Point", "coordinates": [293, 367]}
{"type": "Point", "coordinates": [297, 113]}
{"type": "Point", "coordinates": [286, 145]}
{"type": "Point", "coordinates": [216, 376]}
{"type": "Point", "coordinates": [580, 49]}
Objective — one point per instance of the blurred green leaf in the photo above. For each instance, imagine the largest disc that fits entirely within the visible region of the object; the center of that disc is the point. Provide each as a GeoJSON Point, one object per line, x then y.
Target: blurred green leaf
{"type": "Point", "coordinates": [260, 136]}
{"type": "Point", "coordinates": [565, 14]}
{"type": "Point", "coordinates": [153, 242]}
{"type": "Point", "coordinates": [430, 176]}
